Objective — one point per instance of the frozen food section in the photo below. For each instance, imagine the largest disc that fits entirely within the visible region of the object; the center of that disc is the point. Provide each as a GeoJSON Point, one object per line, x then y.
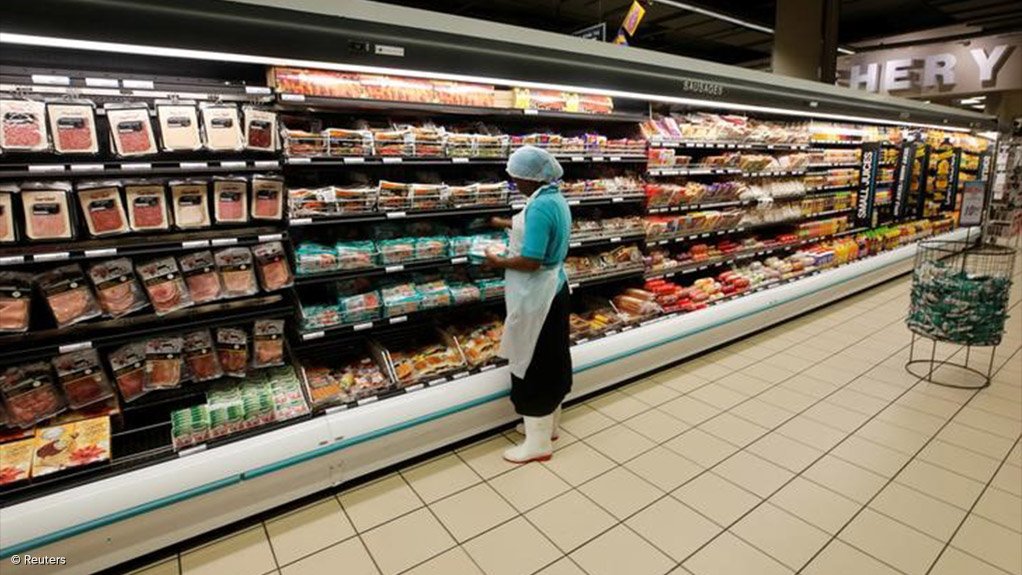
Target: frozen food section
{"type": "Point", "coordinates": [235, 270]}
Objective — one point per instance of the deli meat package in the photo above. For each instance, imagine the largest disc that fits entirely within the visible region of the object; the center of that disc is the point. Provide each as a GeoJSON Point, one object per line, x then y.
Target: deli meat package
{"type": "Point", "coordinates": [260, 129]}
{"type": "Point", "coordinates": [131, 130]}
{"type": "Point", "coordinates": [268, 343]}
{"type": "Point", "coordinates": [230, 200]}
{"type": "Point", "coordinates": [164, 284]}
{"type": "Point", "coordinates": [191, 204]}
{"type": "Point", "coordinates": [163, 362]}
{"type": "Point", "coordinates": [267, 198]}
{"type": "Point", "coordinates": [67, 292]}
{"type": "Point", "coordinates": [129, 366]}
{"type": "Point", "coordinates": [23, 126]}
{"type": "Point", "coordinates": [237, 272]}
{"type": "Point", "coordinates": [271, 263]}
{"type": "Point", "coordinates": [202, 277]}
{"type": "Point", "coordinates": [117, 289]}
{"type": "Point", "coordinates": [29, 394]}
{"type": "Point", "coordinates": [222, 126]}
{"type": "Point", "coordinates": [15, 459]}
{"type": "Point", "coordinates": [147, 206]}
{"type": "Point", "coordinates": [47, 210]}
{"type": "Point", "coordinates": [73, 125]}
{"type": "Point", "coordinates": [82, 377]}
{"type": "Point", "coordinates": [102, 208]}
{"type": "Point", "coordinates": [201, 356]}
{"type": "Point", "coordinates": [8, 233]}
{"type": "Point", "coordinates": [15, 301]}
{"type": "Point", "coordinates": [179, 126]}
{"type": "Point", "coordinates": [232, 350]}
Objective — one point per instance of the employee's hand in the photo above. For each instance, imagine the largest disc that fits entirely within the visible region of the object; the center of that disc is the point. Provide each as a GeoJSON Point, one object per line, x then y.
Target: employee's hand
{"type": "Point", "coordinates": [493, 260]}
{"type": "Point", "coordinates": [500, 223]}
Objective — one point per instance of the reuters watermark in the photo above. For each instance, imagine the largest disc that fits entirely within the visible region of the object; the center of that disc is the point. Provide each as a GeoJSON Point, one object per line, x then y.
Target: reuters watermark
{"type": "Point", "coordinates": [31, 560]}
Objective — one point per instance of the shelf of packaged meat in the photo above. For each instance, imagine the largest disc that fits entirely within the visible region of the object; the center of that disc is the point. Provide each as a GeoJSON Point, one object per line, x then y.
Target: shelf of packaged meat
{"type": "Point", "coordinates": [431, 264]}
{"type": "Point", "coordinates": [696, 144]}
{"type": "Point", "coordinates": [693, 207]}
{"type": "Point", "coordinates": [411, 320]}
{"type": "Point", "coordinates": [133, 168]}
{"type": "Point", "coordinates": [371, 217]}
{"type": "Point", "coordinates": [694, 171]}
{"type": "Point", "coordinates": [825, 143]}
{"type": "Point", "coordinates": [827, 166]}
{"type": "Point", "coordinates": [575, 282]}
{"type": "Point", "coordinates": [313, 162]}
{"type": "Point", "coordinates": [605, 241]}
{"type": "Point", "coordinates": [841, 188]}
{"type": "Point", "coordinates": [597, 200]}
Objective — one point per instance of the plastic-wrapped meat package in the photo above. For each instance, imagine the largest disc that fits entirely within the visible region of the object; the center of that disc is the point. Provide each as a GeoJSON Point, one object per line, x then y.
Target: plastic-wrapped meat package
{"type": "Point", "coordinates": [236, 271]}
{"type": "Point", "coordinates": [272, 266]}
{"type": "Point", "coordinates": [128, 364]}
{"type": "Point", "coordinates": [15, 301]}
{"type": "Point", "coordinates": [179, 126]}
{"type": "Point", "coordinates": [359, 307]}
{"type": "Point", "coordinates": [230, 200]}
{"type": "Point", "coordinates": [164, 284]}
{"type": "Point", "coordinates": [396, 251]}
{"type": "Point", "coordinates": [201, 356]}
{"type": "Point", "coordinates": [190, 202]}
{"type": "Point", "coordinates": [82, 377]}
{"type": "Point", "coordinates": [67, 292]}
{"type": "Point", "coordinates": [394, 196]}
{"type": "Point", "coordinates": [355, 255]}
{"type": "Point", "coordinates": [428, 196]}
{"type": "Point", "coordinates": [46, 208]}
{"type": "Point", "coordinates": [393, 142]}
{"type": "Point", "coordinates": [23, 126]}
{"type": "Point", "coordinates": [232, 349]}
{"type": "Point", "coordinates": [267, 198]}
{"type": "Point", "coordinates": [431, 248]}
{"type": "Point", "coordinates": [163, 363]}
{"type": "Point", "coordinates": [353, 380]}
{"type": "Point", "coordinates": [117, 288]}
{"type": "Point", "coordinates": [8, 233]}
{"type": "Point", "coordinates": [131, 130]}
{"type": "Point", "coordinates": [267, 343]}
{"type": "Point", "coordinates": [29, 394]}
{"type": "Point", "coordinates": [102, 208]}
{"type": "Point", "coordinates": [201, 277]}
{"type": "Point", "coordinates": [222, 126]}
{"type": "Point", "coordinates": [73, 125]}
{"type": "Point", "coordinates": [260, 129]}
{"type": "Point", "coordinates": [147, 206]}
{"type": "Point", "coordinates": [400, 299]}
{"type": "Point", "coordinates": [313, 258]}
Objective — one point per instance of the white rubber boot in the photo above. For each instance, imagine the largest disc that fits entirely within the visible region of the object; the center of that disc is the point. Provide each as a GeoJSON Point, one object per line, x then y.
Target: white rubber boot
{"type": "Point", "coordinates": [537, 445]}
{"type": "Point", "coordinates": [555, 434]}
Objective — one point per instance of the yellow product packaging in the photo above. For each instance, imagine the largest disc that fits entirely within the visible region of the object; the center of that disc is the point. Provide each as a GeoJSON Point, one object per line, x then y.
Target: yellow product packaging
{"type": "Point", "coordinates": [71, 445]}
{"type": "Point", "coordinates": [16, 460]}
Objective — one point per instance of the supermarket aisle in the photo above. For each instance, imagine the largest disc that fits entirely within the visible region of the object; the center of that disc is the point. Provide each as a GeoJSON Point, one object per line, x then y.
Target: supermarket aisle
{"type": "Point", "coordinates": [805, 449]}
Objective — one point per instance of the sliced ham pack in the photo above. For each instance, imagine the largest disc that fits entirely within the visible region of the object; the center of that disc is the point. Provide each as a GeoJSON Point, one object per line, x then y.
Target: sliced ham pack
{"type": "Point", "coordinates": [272, 266]}
{"type": "Point", "coordinates": [267, 343]}
{"type": "Point", "coordinates": [68, 294]}
{"type": "Point", "coordinates": [237, 272]}
{"type": "Point", "coordinates": [131, 130]}
{"type": "Point", "coordinates": [102, 208]}
{"type": "Point", "coordinates": [23, 126]}
{"type": "Point", "coordinates": [128, 363]}
{"type": "Point", "coordinates": [147, 206]}
{"type": "Point", "coordinates": [201, 276]}
{"type": "Point", "coordinates": [164, 284]}
{"type": "Point", "coordinates": [267, 197]}
{"type": "Point", "coordinates": [47, 210]}
{"type": "Point", "coordinates": [73, 125]}
{"type": "Point", "coordinates": [163, 365]}
{"type": "Point", "coordinates": [29, 394]}
{"type": "Point", "coordinates": [230, 200]}
{"type": "Point", "coordinates": [82, 378]}
{"type": "Point", "coordinates": [201, 356]}
{"type": "Point", "coordinates": [15, 301]}
{"type": "Point", "coordinates": [260, 129]}
{"type": "Point", "coordinates": [8, 229]}
{"type": "Point", "coordinates": [117, 288]}
{"type": "Point", "coordinates": [232, 350]}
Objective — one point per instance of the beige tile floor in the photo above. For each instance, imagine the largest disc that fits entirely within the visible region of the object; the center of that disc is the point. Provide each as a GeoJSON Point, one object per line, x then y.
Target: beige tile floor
{"type": "Point", "coordinates": [804, 449]}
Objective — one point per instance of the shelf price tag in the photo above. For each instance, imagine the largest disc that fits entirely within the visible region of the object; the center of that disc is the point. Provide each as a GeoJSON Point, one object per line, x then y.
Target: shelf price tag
{"type": "Point", "coordinates": [394, 268]}
{"type": "Point", "coordinates": [232, 164]}
{"type": "Point", "coordinates": [362, 326]}
{"type": "Point", "coordinates": [487, 367]}
{"type": "Point", "coordinates": [459, 375]}
{"type": "Point", "coordinates": [598, 158]}
{"type": "Point", "coordinates": [615, 240]}
{"type": "Point", "coordinates": [353, 160]}
{"type": "Point", "coordinates": [392, 160]}
{"type": "Point", "coordinates": [575, 244]}
{"type": "Point", "coordinates": [299, 160]}
{"type": "Point", "coordinates": [615, 158]}
{"type": "Point", "coordinates": [68, 348]}
{"type": "Point", "coordinates": [101, 253]}
{"type": "Point", "coordinates": [11, 260]}
{"type": "Point", "coordinates": [459, 260]}
{"type": "Point", "coordinates": [530, 112]}
{"type": "Point", "coordinates": [300, 221]}
{"type": "Point", "coordinates": [223, 241]}
{"type": "Point", "coordinates": [578, 158]}
{"type": "Point", "coordinates": [38, 168]}
{"type": "Point", "coordinates": [574, 202]}
{"type": "Point", "coordinates": [292, 97]}
{"type": "Point", "coordinates": [415, 387]}
{"type": "Point", "coordinates": [137, 166]}
{"type": "Point", "coordinates": [396, 215]}
{"type": "Point", "coordinates": [192, 450]}
{"type": "Point", "coordinates": [137, 84]}
{"type": "Point", "coordinates": [313, 335]}
{"type": "Point", "coordinates": [194, 244]}
{"type": "Point", "coordinates": [270, 237]}
{"type": "Point", "coordinates": [51, 80]}
{"type": "Point", "coordinates": [257, 90]}
{"type": "Point", "coordinates": [266, 164]}
{"type": "Point", "coordinates": [194, 165]}
{"type": "Point", "coordinates": [51, 257]}
{"type": "Point", "coordinates": [368, 400]}
{"type": "Point", "coordinates": [398, 319]}
{"type": "Point", "coordinates": [617, 200]}
{"type": "Point", "coordinates": [102, 83]}
{"type": "Point", "coordinates": [459, 160]}
{"type": "Point", "coordinates": [86, 167]}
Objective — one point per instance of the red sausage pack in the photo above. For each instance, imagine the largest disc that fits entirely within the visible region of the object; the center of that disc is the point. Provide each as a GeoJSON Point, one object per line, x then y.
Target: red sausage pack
{"type": "Point", "coordinates": [15, 301]}
{"type": "Point", "coordinates": [102, 208]}
{"type": "Point", "coordinates": [237, 272]}
{"type": "Point", "coordinates": [147, 206]}
{"type": "Point", "coordinates": [82, 377]}
{"type": "Point", "coordinates": [163, 363]}
{"type": "Point", "coordinates": [267, 198]}
{"type": "Point", "coordinates": [272, 266]}
{"type": "Point", "coordinates": [67, 292]}
{"type": "Point", "coordinates": [23, 126]}
{"type": "Point", "coordinates": [129, 366]}
{"type": "Point", "coordinates": [201, 356]}
{"type": "Point", "coordinates": [232, 349]}
{"type": "Point", "coordinates": [29, 394]}
{"type": "Point", "coordinates": [164, 284]}
{"type": "Point", "coordinates": [268, 343]}
{"type": "Point", "coordinates": [8, 233]}
{"type": "Point", "coordinates": [230, 200]}
{"type": "Point", "coordinates": [260, 129]}
{"type": "Point", "coordinates": [131, 130]}
{"type": "Point", "coordinates": [116, 287]}
{"type": "Point", "coordinates": [73, 125]}
{"type": "Point", "coordinates": [47, 210]}
{"type": "Point", "coordinates": [201, 276]}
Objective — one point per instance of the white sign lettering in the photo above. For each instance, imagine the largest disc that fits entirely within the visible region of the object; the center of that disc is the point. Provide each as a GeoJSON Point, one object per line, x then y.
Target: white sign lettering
{"type": "Point", "coordinates": [989, 64]}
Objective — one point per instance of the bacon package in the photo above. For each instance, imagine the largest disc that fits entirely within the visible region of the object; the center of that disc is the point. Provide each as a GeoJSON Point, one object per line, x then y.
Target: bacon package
{"type": "Point", "coordinates": [29, 394]}
{"type": "Point", "coordinates": [102, 208]}
{"type": "Point", "coordinates": [267, 198]}
{"type": "Point", "coordinates": [67, 292]}
{"type": "Point", "coordinates": [222, 127]}
{"type": "Point", "coordinates": [117, 289]}
{"type": "Point", "coordinates": [147, 206]}
{"type": "Point", "coordinates": [191, 208]}
{"type": "Point", "coordinates": [129, 366]}
{"type": "Point", "coordinates": [15, 301]}
{"type": "Point", "coordinates": [268, 343]}
{"type": "Point", "coordinates": [23, 126]}
{"type": "Point", "coordinates": [230, 200]}
{"type": "Point", "coordinates": [131, 131]}
{"type": "Point", "coordinates": [260, 129]}
{"type": "Point", "coordinates": [82, 377]}
{"type": "Point", "coordinates": [165, 286]}
{"type": "Point", "coordinates": [47, 211]}
{"type": "Point", "coordinates": [163, 363]}
{"type": "Point", "coordinates": [179, 126]}
{"type": "Point", "coordinates": [73, 125]}
{"type": "Point", "coordinates": [236, 271]}
{"type": "Point", "coordinates": [272, 266]}
{"type": "Point", "coordinates": [232, 350]}
{"type": "Point", "coordinates": [201, 276]}
{"type": "Point", "coordinates": [8, 232]}
{"type": "Point", "coordinates": [201, 356]}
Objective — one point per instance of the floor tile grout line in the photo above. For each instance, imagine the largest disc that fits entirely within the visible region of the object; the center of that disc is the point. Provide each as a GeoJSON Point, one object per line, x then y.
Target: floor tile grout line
{"type": "Point", "coordinates": [269, 543]}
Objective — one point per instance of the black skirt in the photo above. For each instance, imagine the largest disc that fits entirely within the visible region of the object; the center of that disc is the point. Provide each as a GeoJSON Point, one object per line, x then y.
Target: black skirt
{"type": "Point", "coordinates": [548, 379]}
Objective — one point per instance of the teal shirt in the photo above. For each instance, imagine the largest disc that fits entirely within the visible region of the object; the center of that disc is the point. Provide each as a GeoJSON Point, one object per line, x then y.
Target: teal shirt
{"type": "Point", "coordinates": [547, 228]}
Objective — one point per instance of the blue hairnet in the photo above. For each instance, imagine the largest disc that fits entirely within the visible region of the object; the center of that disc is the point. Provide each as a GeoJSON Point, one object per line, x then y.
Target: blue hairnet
{"type": "Point", "coordinates": [534, 164]}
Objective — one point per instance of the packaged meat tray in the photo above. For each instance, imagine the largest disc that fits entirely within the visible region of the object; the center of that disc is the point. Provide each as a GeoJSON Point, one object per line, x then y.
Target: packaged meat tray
{"type": "Point", "coordinates": [232, 350]}
{"type": "Point", "coordinates": [67, 292]}
{"type": "Point", "coordinates": [312, 258]}
{"type": "Point", "coordinates": [73, 125]}
{"type": "Point", "coordinates": [260, 129]}
{"type": "Point", "coordinates": [272, 266]}
{"type": "Point", "coordinates": [200, 356]}
{"type": "Point", "coordinates": [15, 301]}
{"type": "Point", "coordinates": [23, 126]}
{"type": "Point", "coordinates": [396, 251]}
{"type": "Point", "coordinates": [147, 206]}
{"type": "Point", "coordinates": [190, 203]}
{"type": "Point", "coordinates": [131, 129]}
{"type": "Point", "coordinates": [128, 364]}
{"type": "Point", "coordinates": [462, 293]}
{"type": "Point", "coordinates": [102, 208]}
{"type": "Point", "coordinates": [29, 395]}
{"type": "Point", "coordinates": [479, 343]}
{"type": "Point", "coordinates": [428, 196]}
{"type": "Point", "coordinates": [165, 286]}
{"type": "Point", "coordinates": [342, 142]}
{"type": "Point", "coordinates": [46, 210]}
{"type": "Point", "coordinates": [71, 445]}
{"type": "Point", "coordinates": [163, 366]}
{"type": "Point", "coordinates": [358, 308]}
{"type": "Point", "coordinates": [237, 271]}
{"type": "Point", "coordinates": [431, 248]}
{"type": "Point", "coordinates": [394, 196]}
{"type": "Point", "coordinates": [428, 141]}
{"type": "Point", "coordinates": [399, 143]}
{"type": "Point", "coordinates": [345, 382]}
{"type": "Point", "coordinates": [355, 255]}
{"type": "Point", "coordinates": [116, 287]}
{"type": "Point", "coordinates": [400, 299]}
{"type": "Point", "coordinates": [16, 460]}
{"type": "Point", "coordinates": [434, 294]}
{"type": "Point", "coordinates": [267, 197]}
{"type": "Point", "coordinates": [230, 199]}
{"type": "Point", "coordinates": [222, 127]}
{"type": "Point", "coordinates": [267, 343]}
{"type": "Point", "coordinates": [8, 229]}
{"type": "Point", "coordinates": [201, 277]}
{"type": "Point", "coordinates": [179, 126]}
{"type": "Point", "coordinates": [82, 378]}
{"type": "Point", "coordinates": [422, 361]}
{"type": "Point", "coordinates": [300, 143]}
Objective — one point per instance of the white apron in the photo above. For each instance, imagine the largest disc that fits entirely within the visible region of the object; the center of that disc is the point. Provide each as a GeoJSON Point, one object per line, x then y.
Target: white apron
{"type": "Point", "coordinates": [528, 296]}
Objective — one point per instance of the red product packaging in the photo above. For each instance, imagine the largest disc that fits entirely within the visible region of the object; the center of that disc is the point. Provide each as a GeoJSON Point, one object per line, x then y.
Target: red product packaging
{"type": "Point", "coordinates": [260, 129]}
{"type": "Point", "coordinates": [232, 350]}
{"type": "Point", "coordinates": [23, 126]}
{"type": "Point", "coordinates": [163, 363]}
{"type": "Point", "coordinates": [236, 271]}
{"type": "Point", "coordinates": [73, 125]}
{"type": "Point", "coordinates": [201, 356]}
{"type": "Point", "coordinates": [272, 266]}
{"type": "Point", "coordinates": [267, 198]}
{"type": "Point", "coordinates": [15, 301]}
{"type": "Point", "coordinates": [268, 343]}
{"type": "Point", "coordinates": [47, 210]}
{"type": "Point", "coordinates": [167, 290]}
{"type": "Point", "coordinates": [128, 364]}
{"type": "Point", "coordinates": [117, 288]}
{"type": "Point", "coordinates": [102, 208]}
{"type": "Point", "coordinates": [201, 276]}
{"type": "Point", "coordinates": [131, 130]}
{"type": "Point", "coordinates": [8, 230]}
{"type": "Point", "coordinates": [67, 292]}
{"type": "Point", "coordinates": [230, 200]}
{"type": "Point", "coordinates": [82, 377]}
{"type": "Point", "coordinates": [29, 394]}
{"type": "Point", "coordinates": [147, 206]}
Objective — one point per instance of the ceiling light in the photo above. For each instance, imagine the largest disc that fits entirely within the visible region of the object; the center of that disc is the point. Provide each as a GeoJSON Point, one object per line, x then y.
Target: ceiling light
{"type": "Point", "coordinates": [841, 50]}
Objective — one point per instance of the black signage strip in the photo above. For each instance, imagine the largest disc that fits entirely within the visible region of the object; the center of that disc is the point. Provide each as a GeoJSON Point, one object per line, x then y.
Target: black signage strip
{"type": "Point", "coordinates": [951, 195]}
{"type": "Point", "coordinates": [864, 212]}
{"type": "Point", "coordinates": [902, 179]}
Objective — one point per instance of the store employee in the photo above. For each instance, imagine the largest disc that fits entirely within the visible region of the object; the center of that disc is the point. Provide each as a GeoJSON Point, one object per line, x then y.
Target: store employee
{"type": "Point", "coordinates": [536, 331]}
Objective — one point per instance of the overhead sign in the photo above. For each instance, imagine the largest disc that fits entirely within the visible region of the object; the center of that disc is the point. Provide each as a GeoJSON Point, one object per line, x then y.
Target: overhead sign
{"type": "Point", "coordinates": [991, 63]}
{"type": "Point", "coordinates": [596, 32]}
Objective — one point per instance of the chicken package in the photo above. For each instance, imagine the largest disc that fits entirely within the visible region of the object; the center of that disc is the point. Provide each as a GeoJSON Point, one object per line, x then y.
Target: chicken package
{"type": "Point", "coordinates": [73, 125]}
{"type": "Point", "coordinates": [191, 204]}
{"type": "Point", "coordinates": [268, 343]}
{"type": "Point", "coordinates": [82, 378]}
{"type": "Point", "coordinates": [8, 233]}
{"type": "Point", "coordinates": [67, 292]}
{"type": "Point", "coordinates": [222, 127]}
{"type": "Point", "coordinates": [272, 266]}
{"type": "Point", "coordinates": [47, 211]}
{"type": "Point", "coordinates": [230, 200]}
{"type": "Point", "coordinates": [128, 364]}
{"type": "Point", "coordinates": [165, 286]}
{"type": "Point", "coordinates": [201, 356]}
{"type": "Point", "coordinates": [260, 129]}
{"type": "Point", "coordinates": [117, 288]}
{"type": "Point", "coordinates": [131, 130]}
{"type": "Point", "coordinates": [15, 301]}
{"type": "Point", "coordinates": [147, 206]}
{"type": "Point", "coordinates": [232, 350]}
{"type": "Point", "coordinates": [29, 394]}
{"type": "Point", "coordinates": [236, 271]}
{"type": "Point", "coordinates": [201, 276]}
{"type": "Point", "coordinates": [163, 362]}
{"type": "Point", "coordinates": [102, 208]}
{"type": "Point", "coordinates": [267, 198]}
{"type": "Point", "coordinates": [23, 126]}
{"type": "Point", "coordinates": [179, 126]}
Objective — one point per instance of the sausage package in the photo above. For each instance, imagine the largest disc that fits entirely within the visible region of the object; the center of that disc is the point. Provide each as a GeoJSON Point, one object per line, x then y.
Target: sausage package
{"type": "Point", "coordinates": [179, 126]}
{"type": "Point", "coordinates": [201, 276]}
{"type": "Point", "coordinates": [165, 286]}
{"type": "Point", "coordinates": [131, 130]}
{"type": "Point", "coordinates": [232, 350]}
{"type": "Point", "coordinates": [272, 266]}
{"type": "Point", "coordinates": [15, 301]}
{"type": "Point", "coordinates": [117, 289]}
{"type": "Point", "coordinates": [267, 198]}
{"type": "Point", "coordinates": [29, 394]}
{"type": "Point", "coordinates": [102, 208]}
{"type": "Point", "coordinates": [236, 271]}
{"type": "Point", "coordinates": [73, 125]}
{"type": "Point", "coordinates": [147, 206]}
{"type": "Point", "coordinates": [67, 292]}
{"type": "Point", "coordinates": [201, 356]}
{"type": "Point", "coordinates": [190, 201]}
{"type": "Point", "coordinates": [260, 129]}
{"type": "Point", "coordinates": [23, 124]}
{"type": "Point", "coordinates": [8, 232]}
{"type": "Point", "coordinates": [82, 377]}
{"type": "Point", "coordinates": [222, 127]}
{"type": "Point", "coordinates": [267, 343]}
{"type": "Point", "coordinates": [163, 363]}
{"type": "Point", "coordinates": [129, 366]}
{"type": "Point", "coordinates": [47, 211]}
{"type": "Point", "coordinates": [230, 200]}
